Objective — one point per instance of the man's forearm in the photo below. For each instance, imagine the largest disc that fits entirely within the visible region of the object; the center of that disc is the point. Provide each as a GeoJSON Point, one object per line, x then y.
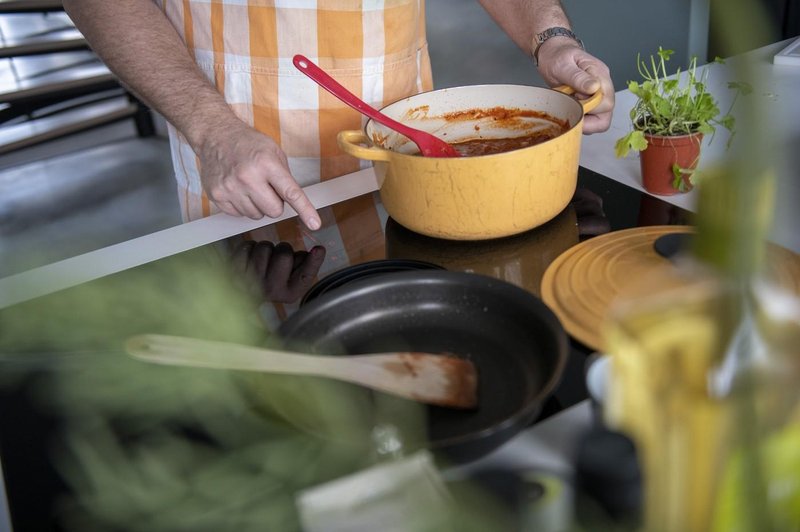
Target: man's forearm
{"type": "Point", "coordinates": [137, 42]}
{"type": "Point", "coordinates": [523, 19]}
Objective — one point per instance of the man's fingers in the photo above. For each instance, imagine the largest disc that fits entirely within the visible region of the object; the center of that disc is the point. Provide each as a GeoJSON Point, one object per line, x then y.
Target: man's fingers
{"type": "Point", "coordinates": [587, 75]}
{"type": "Point", "coordinates": [288, 189]}
{"type": "Point", "coordinates": [246, 207]}
{"type": "Point", "coordinates": [295, 197]}
{"type": "Point", "coordinates": [267, 201]}
{"type": "Point", "coordinates": [583, 82]}
{"type": "Point", "coordinates": [240, 206]}
{"type": "Point", "coordinates": [600, 118]}
{"type": "Point", "coordinates": [248, 174]}
{"type": "Point", "coordinates": [270, 198]}
{"type": "Point", "coordinates": [227, 207]}
{"type": "Point", "coordinates": [593, 123]}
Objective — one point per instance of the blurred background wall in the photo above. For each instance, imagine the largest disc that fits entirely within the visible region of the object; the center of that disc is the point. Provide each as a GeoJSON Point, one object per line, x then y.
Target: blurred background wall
{"type": "Point", "coordinates": [467, 47]}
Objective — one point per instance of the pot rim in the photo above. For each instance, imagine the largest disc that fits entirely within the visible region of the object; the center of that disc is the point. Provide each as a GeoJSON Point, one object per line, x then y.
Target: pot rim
{"type": "Point", "coordinates": [494, 86]}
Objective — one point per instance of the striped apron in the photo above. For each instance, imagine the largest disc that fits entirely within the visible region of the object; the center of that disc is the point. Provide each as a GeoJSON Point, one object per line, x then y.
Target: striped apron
{"type": "Point", "coordinates": [375, 48]}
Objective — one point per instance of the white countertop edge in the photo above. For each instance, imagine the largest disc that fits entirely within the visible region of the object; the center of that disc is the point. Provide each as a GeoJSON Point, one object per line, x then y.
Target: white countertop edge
{"type": "Point", "coordinates": [118, 257]}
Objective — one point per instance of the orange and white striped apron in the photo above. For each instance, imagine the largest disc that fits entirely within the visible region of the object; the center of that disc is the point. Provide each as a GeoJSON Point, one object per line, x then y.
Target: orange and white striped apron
{"type": "Point", "coordinates": [375, 48]}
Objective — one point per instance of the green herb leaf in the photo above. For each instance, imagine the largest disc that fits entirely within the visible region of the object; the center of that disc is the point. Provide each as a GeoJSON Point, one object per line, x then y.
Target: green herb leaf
{"type": "Point", "coordinates": [622, 146]}
{"type": "Point", "coordinates": [665, 54]}
{"type": "Point", "coordinates": [705, 129]}
{"type": "Point", "coordinates": [671, 85]}
{"type": "Point", "coordinates": [728, 122]}
{"type": "Point", "coordinates": [632, 141]}
{"type": "Point", "coordinates": [677, 179]}
{"type": "Point", "coordinates": [637, 141]}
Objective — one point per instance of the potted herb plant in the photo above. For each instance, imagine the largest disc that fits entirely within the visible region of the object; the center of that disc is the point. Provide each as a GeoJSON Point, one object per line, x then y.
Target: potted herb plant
{"type": "Point", "coordinates": [670, 118]}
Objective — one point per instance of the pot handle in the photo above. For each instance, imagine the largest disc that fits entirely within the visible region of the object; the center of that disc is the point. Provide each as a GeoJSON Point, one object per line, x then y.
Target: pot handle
{"type": "Point", "coordinates": [588, 104]}
{"type": "Point", "coordinates": [351, 141]}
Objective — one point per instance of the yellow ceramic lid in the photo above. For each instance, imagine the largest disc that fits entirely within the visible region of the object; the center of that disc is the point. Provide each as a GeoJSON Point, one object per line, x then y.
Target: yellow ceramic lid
{"type": "Point", "coordinates": [580, 285]}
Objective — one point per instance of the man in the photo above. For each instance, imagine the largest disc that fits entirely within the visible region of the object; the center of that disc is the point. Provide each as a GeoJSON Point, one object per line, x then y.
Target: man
{"type": "Point", "coordinates": [247, 130]}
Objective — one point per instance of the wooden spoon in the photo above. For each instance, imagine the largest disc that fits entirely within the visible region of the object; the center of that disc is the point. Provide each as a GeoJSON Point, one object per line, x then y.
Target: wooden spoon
{"type": "Point", "coordinates": [425, 377]}
{"type": "Point", "coordinates": [429, 145]}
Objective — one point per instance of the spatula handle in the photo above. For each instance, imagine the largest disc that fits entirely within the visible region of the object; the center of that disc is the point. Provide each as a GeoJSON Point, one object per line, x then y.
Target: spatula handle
{"type": "Point", "coordinates": [423, 377]}
{"type": "Point", "coordinates": [334, 87]}
{"type": "Point", "coordinates": [174, 350]}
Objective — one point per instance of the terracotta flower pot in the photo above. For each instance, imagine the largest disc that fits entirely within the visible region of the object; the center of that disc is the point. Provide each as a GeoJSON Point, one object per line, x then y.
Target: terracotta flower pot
{"type": "Point", "coordinates": [661, 155]}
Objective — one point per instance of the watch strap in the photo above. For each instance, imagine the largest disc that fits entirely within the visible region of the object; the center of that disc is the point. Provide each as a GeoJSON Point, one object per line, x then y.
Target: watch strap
{"type": "Point", "coordinates": [556, 31]}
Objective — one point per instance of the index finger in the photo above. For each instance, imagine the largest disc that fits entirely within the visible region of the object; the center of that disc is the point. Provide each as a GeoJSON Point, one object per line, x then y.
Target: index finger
{"type": "Point", "coordinates": [294, 196]}
{"type": "Point", "coordinates": [287, 189]}
{"type": "Point", "coordinates": [594, 123]}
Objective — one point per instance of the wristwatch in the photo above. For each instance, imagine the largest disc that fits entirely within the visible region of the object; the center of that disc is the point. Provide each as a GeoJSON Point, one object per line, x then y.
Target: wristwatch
{"type": "Point", "coordinates": [553, 32]}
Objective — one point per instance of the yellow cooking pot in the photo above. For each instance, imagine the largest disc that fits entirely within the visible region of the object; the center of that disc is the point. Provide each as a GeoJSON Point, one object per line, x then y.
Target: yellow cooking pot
{"type": "Point", "coordinates": [476, 198]}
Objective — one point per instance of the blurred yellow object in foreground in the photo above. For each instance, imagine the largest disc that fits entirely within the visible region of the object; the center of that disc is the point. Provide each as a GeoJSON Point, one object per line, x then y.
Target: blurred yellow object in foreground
{"type": "Point", "coordinates": [781, 455]}
{"type": "Point", "coordinates": [705, 371]}
{"type": "Point", "coordinates": [705, 360]}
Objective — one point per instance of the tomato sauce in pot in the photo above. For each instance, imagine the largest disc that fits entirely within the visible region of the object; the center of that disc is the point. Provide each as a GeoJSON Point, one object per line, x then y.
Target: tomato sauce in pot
{"type": "Point", "coordinates": [548, 128]}
{"type": "Point", "coordinates": [476, 147]}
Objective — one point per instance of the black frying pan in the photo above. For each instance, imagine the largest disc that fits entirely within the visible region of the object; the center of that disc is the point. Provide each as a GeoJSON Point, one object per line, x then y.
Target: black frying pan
{"type": "Point", "coordinates": [516, 342]}
{"type": "Point", "coordinates": [362, 271]}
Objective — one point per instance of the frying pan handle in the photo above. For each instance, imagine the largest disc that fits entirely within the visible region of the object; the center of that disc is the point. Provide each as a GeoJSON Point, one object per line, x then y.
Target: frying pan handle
{"type": "Point", "coordinates": [351, 141]}
{"type": "Point", "coordinates": [588, 104]}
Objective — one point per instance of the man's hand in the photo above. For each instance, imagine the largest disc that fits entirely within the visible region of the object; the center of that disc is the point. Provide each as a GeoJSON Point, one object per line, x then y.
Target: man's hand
{"type": "Point", "coordinates": [245, 173]}
{"type": "Point", "coordinates": [561, 59]}
{"type": "Point", "coordinates": [563, 62]}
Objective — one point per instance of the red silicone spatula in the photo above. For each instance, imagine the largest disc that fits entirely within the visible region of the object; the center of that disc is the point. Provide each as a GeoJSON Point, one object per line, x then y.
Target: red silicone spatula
{"type": "Point", "coordinates": [429, 145]}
